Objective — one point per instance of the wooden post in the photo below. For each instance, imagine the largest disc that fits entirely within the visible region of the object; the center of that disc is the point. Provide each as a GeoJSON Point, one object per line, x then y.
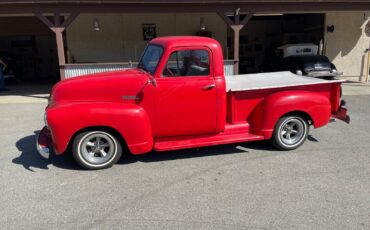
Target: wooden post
{"type": "Point", "coordinates": [60, 49]}
{"type": "Point", "coordinates": [236, 29]}
{"type": "Point", "coordinates": [236, 26]}
{"type": "Point", "coordinates": [58, 28]}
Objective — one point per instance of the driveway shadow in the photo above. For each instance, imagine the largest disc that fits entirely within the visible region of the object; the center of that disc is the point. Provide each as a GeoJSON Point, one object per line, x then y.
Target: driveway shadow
{"type": "Point", "coordinates": [311, 138]}
{"type": "Point", "coordinates": [30, 158]}
{"type": "Point", "coordinates": [198, 152]}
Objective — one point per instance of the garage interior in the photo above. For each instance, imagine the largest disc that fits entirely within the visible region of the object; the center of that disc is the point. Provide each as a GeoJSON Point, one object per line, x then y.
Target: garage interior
{"type": "Point", "coordinates": [29, 48]}
{"type": "Point", "coordinates": [32, 46]}
{"type": "Point", "coordinates": [260, 37]}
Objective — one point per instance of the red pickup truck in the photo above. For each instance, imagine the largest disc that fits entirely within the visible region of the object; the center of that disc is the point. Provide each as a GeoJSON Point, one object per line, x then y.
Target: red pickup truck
{"type": "Point", "coordinates": [178, 97]}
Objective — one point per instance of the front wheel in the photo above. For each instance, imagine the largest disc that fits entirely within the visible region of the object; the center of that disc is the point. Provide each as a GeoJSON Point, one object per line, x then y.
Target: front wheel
{"type": "Point", "coordinates": [96, 149]}
{"type": "Point", "coordinates": [290, 132]}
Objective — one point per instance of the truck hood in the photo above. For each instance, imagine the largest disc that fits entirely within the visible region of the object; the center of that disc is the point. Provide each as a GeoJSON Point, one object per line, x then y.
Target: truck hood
{"type": "Point", "coordinates": [108, 87]}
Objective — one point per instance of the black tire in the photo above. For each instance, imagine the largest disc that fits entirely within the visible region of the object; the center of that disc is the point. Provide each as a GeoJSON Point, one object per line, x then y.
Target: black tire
{"type": "Point", "coordinates": [96, 149]}
{"type": "Point", "coordinates": [285, 138]}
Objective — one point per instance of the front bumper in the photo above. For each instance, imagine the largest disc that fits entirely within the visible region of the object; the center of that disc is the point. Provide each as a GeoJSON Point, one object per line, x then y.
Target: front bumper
{"type": "Point", "coordinates": [44, 143]}
{"type": "Point", "coordinates": [342, 115]}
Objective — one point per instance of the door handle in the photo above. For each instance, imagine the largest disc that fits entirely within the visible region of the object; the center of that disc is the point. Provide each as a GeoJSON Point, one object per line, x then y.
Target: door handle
{"type": "Point", "coordinates": [208, 87]}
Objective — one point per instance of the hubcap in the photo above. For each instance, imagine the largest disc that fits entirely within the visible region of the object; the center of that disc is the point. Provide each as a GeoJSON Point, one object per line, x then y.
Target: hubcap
{"type": "Point", "coordinates": [98, 148]}
{"type": "Point", "coordinates": [292, 131]}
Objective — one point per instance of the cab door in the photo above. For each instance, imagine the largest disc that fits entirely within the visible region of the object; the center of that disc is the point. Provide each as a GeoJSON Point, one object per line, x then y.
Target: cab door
{"type": "Point", "coordinates": [185, 98]}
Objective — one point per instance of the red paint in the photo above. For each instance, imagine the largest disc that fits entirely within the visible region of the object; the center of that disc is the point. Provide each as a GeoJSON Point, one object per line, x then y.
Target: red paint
{"type": "Point", "coordinates": [178, 112]}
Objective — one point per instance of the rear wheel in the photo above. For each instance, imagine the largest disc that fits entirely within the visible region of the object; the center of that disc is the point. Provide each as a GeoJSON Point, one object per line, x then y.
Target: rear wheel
{"type": "Point", "coordinates": [290, 132]}
{"type": "Point", "coordinates": [96, 149]}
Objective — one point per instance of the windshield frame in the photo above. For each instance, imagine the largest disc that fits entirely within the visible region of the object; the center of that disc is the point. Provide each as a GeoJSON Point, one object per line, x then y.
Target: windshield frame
{"type": "Point", "coordinates": [139, 66]}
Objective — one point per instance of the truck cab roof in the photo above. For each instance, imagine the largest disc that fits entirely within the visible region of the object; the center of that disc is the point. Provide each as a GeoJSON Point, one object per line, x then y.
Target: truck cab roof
{"type": "Point", "coordinates": [172, 43]}
{"type": "Point", "coordinates": [175, 41]}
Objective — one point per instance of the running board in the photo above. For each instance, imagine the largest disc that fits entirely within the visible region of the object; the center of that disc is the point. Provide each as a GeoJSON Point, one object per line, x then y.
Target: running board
{"type": "Point", "coordinates": [166, 144]}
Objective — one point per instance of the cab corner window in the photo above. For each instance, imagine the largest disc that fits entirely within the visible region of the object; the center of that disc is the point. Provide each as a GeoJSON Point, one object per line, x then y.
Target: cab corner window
{"type": "Point", "coordinates": [186, 63]}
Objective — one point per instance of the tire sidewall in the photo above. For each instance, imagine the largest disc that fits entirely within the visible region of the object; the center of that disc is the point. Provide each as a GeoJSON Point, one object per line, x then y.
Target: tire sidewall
{"type": "Point", "coordinates": [277, 141]}
{"type": "Point", "coordinates": [86, 164]}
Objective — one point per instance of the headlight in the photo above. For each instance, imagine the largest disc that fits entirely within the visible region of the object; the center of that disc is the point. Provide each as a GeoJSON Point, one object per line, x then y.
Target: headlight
{"type": "Point", "coordinates": [299, 72]}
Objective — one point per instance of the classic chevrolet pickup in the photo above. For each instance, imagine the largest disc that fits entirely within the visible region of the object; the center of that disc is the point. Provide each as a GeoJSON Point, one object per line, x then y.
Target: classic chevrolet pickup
{"type": "Point", "coordinates": [178, 97]}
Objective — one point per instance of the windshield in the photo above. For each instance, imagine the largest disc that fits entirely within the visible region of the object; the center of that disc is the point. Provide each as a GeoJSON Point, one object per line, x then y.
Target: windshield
{"type": "Point", "coordinates": [150, 58]}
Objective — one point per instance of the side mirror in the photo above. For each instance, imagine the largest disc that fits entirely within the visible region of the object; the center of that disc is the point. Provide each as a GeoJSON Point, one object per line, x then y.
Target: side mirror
{"type": "Point", "coordinates": [152, 81]}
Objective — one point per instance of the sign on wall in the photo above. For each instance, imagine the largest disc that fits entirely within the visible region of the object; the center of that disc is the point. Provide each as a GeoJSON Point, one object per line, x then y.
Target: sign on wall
{"type": "Point", "coordinates": [149, 31]}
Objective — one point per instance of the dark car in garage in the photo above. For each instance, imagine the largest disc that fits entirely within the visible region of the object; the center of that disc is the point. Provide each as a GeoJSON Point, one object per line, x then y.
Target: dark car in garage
{"type": "Point", "coordinates": [301, 59]}
{"type": "Point", "coordinates": [310, 65]}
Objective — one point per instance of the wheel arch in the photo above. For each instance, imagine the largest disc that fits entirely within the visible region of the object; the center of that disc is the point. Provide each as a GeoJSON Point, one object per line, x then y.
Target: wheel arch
{"type": "Point", "coordinates": [313, 106]}
{"type": "Point", "coordinates": [301, 113]}
{"type": "Point", "coordinates": [107, 129]}
{"type": "Point", "coordinates": [129, 122]}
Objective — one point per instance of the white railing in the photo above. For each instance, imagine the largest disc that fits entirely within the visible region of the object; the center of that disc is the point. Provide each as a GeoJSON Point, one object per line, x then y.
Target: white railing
{"type": "Point", "coordinates": [75, 70]}
{"type": "Point", "coordinates": [229, 67]}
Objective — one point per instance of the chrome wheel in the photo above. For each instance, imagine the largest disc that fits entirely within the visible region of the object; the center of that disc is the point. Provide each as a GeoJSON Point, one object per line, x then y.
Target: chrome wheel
{"type": "Point", "coordinates": [97, 148]}
{"type": "Point", "coordinates": [292, 131]}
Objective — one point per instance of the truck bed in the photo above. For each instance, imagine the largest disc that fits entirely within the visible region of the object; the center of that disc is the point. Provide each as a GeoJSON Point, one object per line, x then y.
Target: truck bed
{"type": "Point", "coordinates": [244, 82]}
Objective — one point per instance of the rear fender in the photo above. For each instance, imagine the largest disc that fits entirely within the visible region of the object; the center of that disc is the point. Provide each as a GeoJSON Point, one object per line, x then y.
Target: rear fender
{"type": "Point", "coordinates": [130, 120]}
{"type": "Point", "coordinates": [276, 105]}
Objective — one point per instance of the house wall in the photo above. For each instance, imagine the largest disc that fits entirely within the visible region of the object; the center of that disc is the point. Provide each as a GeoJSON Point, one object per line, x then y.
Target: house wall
{"type": "Point", "coordinates": [346, 45]}
{"type": "Point", "coordinates": [121, 36]}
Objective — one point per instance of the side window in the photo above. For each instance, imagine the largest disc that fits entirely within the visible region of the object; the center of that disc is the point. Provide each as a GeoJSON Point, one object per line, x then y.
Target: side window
{"type": "Point", "coordinates": [185, 63]}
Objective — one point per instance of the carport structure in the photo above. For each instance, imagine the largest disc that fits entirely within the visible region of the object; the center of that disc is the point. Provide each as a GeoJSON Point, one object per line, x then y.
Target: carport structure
{"type": "Point", "coordinates": [58, 15]}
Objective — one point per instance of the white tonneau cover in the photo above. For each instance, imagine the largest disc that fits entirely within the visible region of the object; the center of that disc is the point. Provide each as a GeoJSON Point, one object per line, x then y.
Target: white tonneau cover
{"type": "Point", "coordinates": [270, 80]}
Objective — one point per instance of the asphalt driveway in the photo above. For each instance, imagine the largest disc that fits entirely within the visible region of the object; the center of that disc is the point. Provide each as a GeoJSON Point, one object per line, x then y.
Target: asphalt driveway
{"type": "Point", "coordinates": [325, 184]}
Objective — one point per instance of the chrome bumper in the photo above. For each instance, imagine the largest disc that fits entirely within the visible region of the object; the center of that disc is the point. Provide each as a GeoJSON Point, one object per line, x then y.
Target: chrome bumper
{"type": "Point", "coordinates": [341, 115]}
{"type": "Point", "coordinates": [319, 74]}
{"type": "Point", "coordinates": [44, 142]}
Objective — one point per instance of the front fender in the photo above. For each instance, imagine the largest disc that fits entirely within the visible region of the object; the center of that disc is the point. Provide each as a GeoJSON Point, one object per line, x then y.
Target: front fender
{"type": "Point", "coordinates": [276, 105]}
{"type": "Point", "coordinates": [130, 120]}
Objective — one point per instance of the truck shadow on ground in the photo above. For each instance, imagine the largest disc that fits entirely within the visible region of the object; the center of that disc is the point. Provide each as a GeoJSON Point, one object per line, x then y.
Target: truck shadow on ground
{"type": "Point", "coordinates": [198, 152]}
{"type": "Point", "coordinates": [30, 158]}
